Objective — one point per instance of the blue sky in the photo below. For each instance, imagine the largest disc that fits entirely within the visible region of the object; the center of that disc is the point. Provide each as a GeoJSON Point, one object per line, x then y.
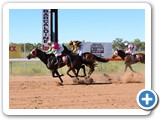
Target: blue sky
{"type": "Point", "coordinates": [91, 25]}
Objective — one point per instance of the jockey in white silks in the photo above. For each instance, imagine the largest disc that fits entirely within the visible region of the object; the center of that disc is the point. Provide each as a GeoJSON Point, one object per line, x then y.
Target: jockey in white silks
{"type": "Point", "coordinates": [130, 48]}
{"type": "Point", "coordinates": [79, 51]}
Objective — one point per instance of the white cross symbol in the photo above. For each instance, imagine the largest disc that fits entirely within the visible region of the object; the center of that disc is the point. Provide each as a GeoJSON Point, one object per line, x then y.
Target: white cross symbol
{"type": "Point", "coordinates": [147, 99]}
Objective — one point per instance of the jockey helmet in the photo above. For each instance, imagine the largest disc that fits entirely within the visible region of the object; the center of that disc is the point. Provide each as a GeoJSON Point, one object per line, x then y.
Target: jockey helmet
{"type": "Point", "coordinates": [49, 42]}
{"type": "Point", "coordinates": [125, 44]}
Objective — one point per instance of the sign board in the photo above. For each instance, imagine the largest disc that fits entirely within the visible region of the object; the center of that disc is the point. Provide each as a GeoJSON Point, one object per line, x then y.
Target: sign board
{"type": "Point", "coordinates": [98, 49]}
{"type": "Point", "coordinates": [15, 51]}
{"type": "Point", "coordinates": [46, 29]}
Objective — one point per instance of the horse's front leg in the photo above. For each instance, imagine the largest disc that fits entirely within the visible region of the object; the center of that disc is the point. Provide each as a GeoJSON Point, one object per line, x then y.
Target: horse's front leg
{"type": "Point", "coordinates": [70, 74]}
{"type": "Point", "coordinates": [84, 71]}
{"type": "Point", "coordinates": [125, 67]}
{"type": "Point", "coordinates": [53, 74]}
{"type": "Point", "coordinates": [131, 68]}
{"type": "Point", "coordinates": [91, 70]}
{"type": "Point", "coordinates": [76, 74]}
{"type": "Point", "coordinates": [58, 75]}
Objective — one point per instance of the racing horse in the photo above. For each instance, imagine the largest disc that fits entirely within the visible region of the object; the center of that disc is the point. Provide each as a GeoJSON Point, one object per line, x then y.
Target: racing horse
{"type": "Point", "coordinates": [46, 59]}
{"type": "Point", "coordinates": [139, 57]}
{"type": "Point", "coordinates": [73, 62]}
{"type": "Point", "coordinates": [77, 62]}
{"type": "Point", "coordinates": [89, 59]}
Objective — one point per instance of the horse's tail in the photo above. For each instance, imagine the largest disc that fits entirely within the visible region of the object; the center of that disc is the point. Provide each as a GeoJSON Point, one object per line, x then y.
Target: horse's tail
{"type": "Point", "coordinates": [99, 59]}
{"type": "Point", "coordinates": [142, 58]}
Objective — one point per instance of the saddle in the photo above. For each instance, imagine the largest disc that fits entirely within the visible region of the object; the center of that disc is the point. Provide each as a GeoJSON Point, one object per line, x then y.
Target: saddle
{"type": "Point", "coordinates": [130, 57]}
{"type": "Point", "coordinates": [52, 61]}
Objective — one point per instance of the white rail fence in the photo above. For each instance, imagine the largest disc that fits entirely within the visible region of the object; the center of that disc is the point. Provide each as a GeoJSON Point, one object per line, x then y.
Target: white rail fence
{"type": "Point", "coordinates": [21, 60]}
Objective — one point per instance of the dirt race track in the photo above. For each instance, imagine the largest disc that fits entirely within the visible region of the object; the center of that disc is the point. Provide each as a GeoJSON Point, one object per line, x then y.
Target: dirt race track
{"type": "Point", "coordinates": [108, 92]}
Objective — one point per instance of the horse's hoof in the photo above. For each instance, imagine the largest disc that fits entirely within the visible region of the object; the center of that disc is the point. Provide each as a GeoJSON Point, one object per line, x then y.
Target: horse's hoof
{"type": "Point", "coordinates": [89, 80]}
{"type": "Point", "coordinates": [75, 81]}
{"type": "Point", "coordinates": [81, 75]}
{"type": "Point", "coordinates": [86, 77]}
{"type": "Point", "coordinates": [59, 84]}
{"type": "Point", "coordinates": [62, 75]}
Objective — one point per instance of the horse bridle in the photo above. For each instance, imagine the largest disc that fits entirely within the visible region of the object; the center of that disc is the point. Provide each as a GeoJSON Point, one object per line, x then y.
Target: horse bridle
{"type": "Point", "coordinates": [116, 53]}
{"type": "Point", "coordinates": [35, 53]}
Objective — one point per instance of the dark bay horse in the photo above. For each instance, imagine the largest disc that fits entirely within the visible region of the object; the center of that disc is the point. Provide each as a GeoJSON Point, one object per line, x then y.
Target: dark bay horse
{"type": "Point", "coordinates": [77, 62]}
{"type": "Point", "coordinates": [139, 57]}
{"type": "Point", "coordinates": [46, 58]}
{"type": "Point", "coordinates": [73, 62]}
{"type": "Point", "coordinates": [89, 59]}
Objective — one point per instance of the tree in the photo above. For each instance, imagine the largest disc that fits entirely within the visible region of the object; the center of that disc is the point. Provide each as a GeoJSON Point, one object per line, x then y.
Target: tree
{"type": "Point", "coordinates": [138, 43]}
{"type": "Point", "coordinates": [39, 45]}
{"type": "Point", "coordinates": [118, 43]}
{"type": "Point", "coordinates": [142, 46]}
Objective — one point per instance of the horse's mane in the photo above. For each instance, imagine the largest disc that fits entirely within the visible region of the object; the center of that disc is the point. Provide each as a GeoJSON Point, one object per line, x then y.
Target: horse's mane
{"type": "Point", "coordinates": [120, 50]}
{"type": "Point", "coordinates": [66, 50]}
{"type": "Point", "coordinates": [42, 55]}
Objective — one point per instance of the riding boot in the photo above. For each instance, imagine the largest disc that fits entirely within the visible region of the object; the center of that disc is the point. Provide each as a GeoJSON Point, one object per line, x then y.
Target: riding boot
{"type": "Point", "coordinates": [50, 62]}
{"type": "Point", "coordinates": [57, 60]}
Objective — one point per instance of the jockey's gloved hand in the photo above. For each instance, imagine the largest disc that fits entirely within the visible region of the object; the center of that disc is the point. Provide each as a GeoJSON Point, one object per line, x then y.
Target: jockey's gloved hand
{"type": "Point", "coordinates": [127, 51]}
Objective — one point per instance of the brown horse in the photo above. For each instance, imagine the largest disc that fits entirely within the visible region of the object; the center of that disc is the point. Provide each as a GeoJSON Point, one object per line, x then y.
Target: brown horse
{"type": "Point", "coordinates": [88, 58]}
{"type": "Point", "coordinates": [128, 59]}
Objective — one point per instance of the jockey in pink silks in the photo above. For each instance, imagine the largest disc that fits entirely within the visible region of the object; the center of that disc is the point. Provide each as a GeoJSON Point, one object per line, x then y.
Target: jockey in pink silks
{"type": "Point", "coordinates": [54, 48]}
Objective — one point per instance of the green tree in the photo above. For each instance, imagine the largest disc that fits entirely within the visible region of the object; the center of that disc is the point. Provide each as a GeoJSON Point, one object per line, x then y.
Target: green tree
{"type": "Point", "coordinates": [118, 43]}
{"type": "Point", "coordinates": [138, 44]}
{"type": "Point", "coordinates": [142, 46]}
{"type": "Point", "coordinates": [39, 45]}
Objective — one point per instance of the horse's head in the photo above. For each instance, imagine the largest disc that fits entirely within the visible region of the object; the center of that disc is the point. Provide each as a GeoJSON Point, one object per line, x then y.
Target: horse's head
{"type": "Point", "coordinates": [119, 53]}
{"type": "Point", "coordinates": [32, 54]}
{"type": "Point", "coordinates": [115, 54]}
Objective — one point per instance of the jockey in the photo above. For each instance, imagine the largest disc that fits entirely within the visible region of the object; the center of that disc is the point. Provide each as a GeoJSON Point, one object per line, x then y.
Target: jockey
{"type": "Point", "coordinates": [76, 46]}
{"type": "Point", "coordinates": [130, 48]}
{"type": "Point", "coordinates": [54, 48]}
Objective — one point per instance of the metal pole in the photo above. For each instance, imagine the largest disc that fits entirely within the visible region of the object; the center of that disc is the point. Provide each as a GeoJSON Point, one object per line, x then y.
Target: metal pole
{"type": "Point", "coordinates": [24, 57]}
{"type": "Point", "coordinates": [55, 11]}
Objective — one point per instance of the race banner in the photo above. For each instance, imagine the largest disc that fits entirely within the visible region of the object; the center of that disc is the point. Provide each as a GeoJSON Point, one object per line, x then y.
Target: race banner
{"type": "Point", "coordinates": [98, 49]}
{"type": "Point", "coordinates": [46, 29]}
